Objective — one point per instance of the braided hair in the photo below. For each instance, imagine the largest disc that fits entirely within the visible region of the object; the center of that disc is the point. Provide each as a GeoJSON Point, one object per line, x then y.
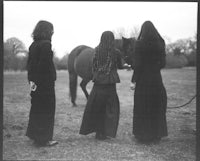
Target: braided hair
{"type": "Point", "coordinates": [104, 54]}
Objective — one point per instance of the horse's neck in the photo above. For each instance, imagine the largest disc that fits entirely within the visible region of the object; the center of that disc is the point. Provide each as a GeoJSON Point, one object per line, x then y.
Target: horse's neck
{"type": "Point", "coordinates": [118, 44]}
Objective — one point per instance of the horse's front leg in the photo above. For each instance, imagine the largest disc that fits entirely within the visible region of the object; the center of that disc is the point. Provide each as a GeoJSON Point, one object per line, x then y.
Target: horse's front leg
{"type": "Point", "coordinates": [83, 85]}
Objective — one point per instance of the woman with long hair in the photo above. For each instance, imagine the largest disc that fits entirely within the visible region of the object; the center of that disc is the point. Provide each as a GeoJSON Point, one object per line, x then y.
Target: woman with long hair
{"type": "Point", "coordinates": [41, 77]}
{"type": "Point", "coordinates": [150, 98]}
{"type": "Point", "coordinates": [101, 114]}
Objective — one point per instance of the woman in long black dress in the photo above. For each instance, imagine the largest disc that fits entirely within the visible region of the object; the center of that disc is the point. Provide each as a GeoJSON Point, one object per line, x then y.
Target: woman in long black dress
{"type": "Point", "coordinates": [101, 114]}
{"type": "Point", "coordinates": [41, 76]}
{"type": "Point", "coordinates": [150, 98]}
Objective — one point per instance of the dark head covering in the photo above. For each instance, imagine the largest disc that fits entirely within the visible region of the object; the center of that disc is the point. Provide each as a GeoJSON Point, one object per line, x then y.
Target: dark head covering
{"type": "Point", "coordinates": [43, 31]}
{"type": "Point", "coordinates": [150, 46]}
{"type": "Point", "coordinates": [104, 53]}
{"type": "Point", "coordinates": [151, 38]}
{"type": "Point", "coordinates": [149, 32]}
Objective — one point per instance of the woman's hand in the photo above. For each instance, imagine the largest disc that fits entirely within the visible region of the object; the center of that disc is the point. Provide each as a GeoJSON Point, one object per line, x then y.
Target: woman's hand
{"type": "Point", "coordinates": [126, 66]}
{"type": "Point", "coordinates": [132, 86]}
{"type": "Point", "coordinates": [33, 86]}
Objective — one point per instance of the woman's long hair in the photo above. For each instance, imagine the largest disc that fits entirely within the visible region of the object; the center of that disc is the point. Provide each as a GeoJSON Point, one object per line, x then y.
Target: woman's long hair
{"type": "Point", "coordinates": [43, 31]}
{"type": "Point", "coordinates": [104, 55]}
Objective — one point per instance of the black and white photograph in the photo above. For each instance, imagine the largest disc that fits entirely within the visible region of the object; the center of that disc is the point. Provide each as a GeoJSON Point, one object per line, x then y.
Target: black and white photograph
{"type": "Point", "coordinates": [100, 81]}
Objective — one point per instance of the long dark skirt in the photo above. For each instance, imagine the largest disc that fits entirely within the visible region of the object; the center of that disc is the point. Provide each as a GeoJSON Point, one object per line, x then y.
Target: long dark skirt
{"type": "Point", "coordinates": [102, 111]}
{"type": "Point", "coordinates": [41, 117]}
{"type": "Point", "coordinates": [149, 114]}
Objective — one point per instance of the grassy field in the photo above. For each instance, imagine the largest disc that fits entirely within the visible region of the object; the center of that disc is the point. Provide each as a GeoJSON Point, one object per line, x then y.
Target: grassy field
{"type": "Point", "coordinates": [178, 146]}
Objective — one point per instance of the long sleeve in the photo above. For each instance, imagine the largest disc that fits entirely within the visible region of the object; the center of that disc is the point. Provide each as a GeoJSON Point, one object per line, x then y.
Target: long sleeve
{"type": "Point", "coordinates": [136, 63]}
{"type": "Point", "coordinates": [162, 61]}
{"type": "Point", "coordinates": [32, 64]}
{"type": "Point", "coordinates": [46, 68]}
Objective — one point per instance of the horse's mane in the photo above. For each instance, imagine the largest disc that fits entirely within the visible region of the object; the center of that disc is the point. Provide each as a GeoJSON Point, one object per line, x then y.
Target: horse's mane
{"type": "Point", "coordinates": [119, 44]}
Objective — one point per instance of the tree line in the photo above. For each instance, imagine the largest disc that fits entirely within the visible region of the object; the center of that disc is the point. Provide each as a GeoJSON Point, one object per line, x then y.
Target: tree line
{"type": "Point", "coordinates": [16, 55]}
{"type": "Point", "coordinates": [180, 53]}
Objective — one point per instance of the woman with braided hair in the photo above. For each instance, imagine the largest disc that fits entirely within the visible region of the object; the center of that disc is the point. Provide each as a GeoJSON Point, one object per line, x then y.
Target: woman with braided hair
{"type": "Point", "coordinates": [101, 114]}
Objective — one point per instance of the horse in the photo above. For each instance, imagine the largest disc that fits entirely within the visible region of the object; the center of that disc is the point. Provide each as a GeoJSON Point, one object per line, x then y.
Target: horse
{"type": "Point", "coordinates": [80, 64]}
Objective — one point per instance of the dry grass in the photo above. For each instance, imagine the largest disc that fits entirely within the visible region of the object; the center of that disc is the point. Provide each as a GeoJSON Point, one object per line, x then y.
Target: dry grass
{"type": "Point", "coordinates": [178, 146]}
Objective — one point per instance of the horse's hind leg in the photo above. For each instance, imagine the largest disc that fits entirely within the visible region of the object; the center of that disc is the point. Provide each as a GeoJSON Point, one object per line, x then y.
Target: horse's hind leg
{"type": "Point", "coordinates": [73, 87]}
{"type": "Point", "coordinates": [83, 86]}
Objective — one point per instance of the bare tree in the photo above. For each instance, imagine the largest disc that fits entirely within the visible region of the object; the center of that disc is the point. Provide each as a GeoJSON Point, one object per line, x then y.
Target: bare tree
{"type": "Point", "coordinates": [119, 32]}
{"type": "Point", "coordinates": [135, 32]}
{"type": "Point", "coordinates": [12, 47]}
{"type": "Point", "coordinates": [16, 45]}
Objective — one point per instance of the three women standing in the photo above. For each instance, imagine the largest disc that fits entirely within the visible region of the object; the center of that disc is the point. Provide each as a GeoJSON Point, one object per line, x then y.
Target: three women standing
{"type": "Point", "coordinates": [102, 110]}
{"type": "Point", "coordinates": [150, 99]}
{"type": "Point", "coordinates": [41, 76]}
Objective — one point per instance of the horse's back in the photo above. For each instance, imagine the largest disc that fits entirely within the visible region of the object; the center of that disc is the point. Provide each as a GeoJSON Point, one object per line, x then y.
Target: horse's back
{"type": "Point", "coordinates": [83, 63]}
{"type": "Point", "coordinates": [72, 56]}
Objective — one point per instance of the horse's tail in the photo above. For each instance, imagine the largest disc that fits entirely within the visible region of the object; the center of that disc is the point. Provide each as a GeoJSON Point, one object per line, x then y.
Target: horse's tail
{"type": "Point", "coordinates": [72, 73]}
{"type": "Point", "coordinates": [73, 86]}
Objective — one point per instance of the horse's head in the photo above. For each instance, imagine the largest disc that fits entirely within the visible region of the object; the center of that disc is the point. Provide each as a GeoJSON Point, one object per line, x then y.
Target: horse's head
{"type": "Point", "coordinates": [126, 46]}
{"type": "Point", "coordinates": [128, 49]}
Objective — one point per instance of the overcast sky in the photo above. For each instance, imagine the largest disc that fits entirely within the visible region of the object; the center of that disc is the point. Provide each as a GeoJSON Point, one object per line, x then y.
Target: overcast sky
{"type": "Point", "coordinates": [77, 23]}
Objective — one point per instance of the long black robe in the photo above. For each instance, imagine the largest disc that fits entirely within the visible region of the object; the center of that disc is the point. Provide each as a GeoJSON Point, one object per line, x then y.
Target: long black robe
{"type": "Point", "coordinates": [150, 98]}
{"type": "Point", "coordinates": [41, 70]}
{"type": "Point", "coordinates": [102, 110]}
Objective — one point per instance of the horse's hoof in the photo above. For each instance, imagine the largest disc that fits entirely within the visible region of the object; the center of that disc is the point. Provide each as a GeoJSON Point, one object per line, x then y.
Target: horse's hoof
{"type": "Point", "coordinates": [74, 105]}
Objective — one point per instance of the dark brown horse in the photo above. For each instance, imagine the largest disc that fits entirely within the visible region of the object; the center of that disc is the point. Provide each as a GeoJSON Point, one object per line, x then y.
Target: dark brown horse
{"type": "Point", "coordinates": [80, 64]}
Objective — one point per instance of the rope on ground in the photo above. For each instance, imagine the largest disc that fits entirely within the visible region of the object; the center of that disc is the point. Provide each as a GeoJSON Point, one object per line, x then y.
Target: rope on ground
{"type": "Point", "coordinates": [184, 104]}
